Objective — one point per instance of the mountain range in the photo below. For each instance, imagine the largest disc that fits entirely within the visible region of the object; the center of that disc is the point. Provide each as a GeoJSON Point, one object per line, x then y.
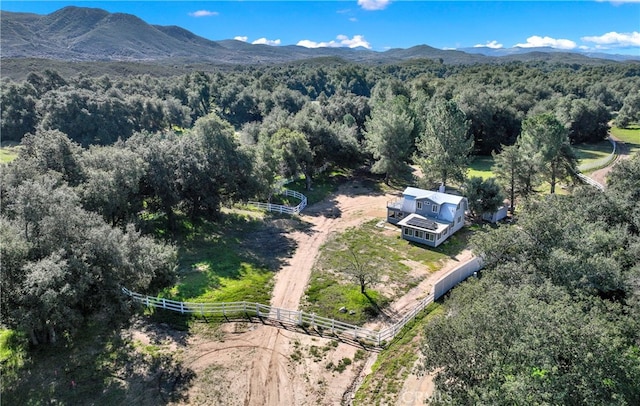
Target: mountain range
{"type": "Point", "coordinates": [90, 34]}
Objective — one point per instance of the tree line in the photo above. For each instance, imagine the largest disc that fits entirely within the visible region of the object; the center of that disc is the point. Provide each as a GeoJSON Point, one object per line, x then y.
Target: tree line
{"type": "Point", "coordinates": [495, 98]}
{"type": "Point", "coordinates": [554, 318]}
{"type": "Point", "coordinates": [101, 157]}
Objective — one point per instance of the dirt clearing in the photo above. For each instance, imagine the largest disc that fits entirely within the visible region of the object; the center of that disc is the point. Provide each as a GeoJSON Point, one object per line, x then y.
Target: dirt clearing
{"type": "Point", "coordinates": [256, 364]}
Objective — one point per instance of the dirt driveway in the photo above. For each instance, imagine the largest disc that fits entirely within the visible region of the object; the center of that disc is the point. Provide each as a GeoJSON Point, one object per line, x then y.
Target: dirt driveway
{"type": "Point", "coordinates": [256, 364]}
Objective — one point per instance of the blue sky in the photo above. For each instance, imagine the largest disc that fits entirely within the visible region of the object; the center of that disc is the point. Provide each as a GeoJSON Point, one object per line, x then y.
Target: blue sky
{"type": "Point", "coordinates": [607, 26]}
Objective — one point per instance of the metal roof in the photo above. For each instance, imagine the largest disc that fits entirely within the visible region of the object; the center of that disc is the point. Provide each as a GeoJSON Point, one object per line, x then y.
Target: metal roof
{"type": "Point", "coordinates": [436, 197]}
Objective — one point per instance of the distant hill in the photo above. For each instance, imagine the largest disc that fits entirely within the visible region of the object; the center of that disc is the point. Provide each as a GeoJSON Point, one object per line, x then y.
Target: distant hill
{"type": "Point", "coordinates": [516, 51]}
{"type": "Point", "coordinates": [90, 34]}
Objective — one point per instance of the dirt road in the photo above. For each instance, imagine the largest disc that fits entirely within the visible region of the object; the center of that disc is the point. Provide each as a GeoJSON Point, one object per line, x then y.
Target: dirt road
{"type": "Point", "coordinates": [254, 364]}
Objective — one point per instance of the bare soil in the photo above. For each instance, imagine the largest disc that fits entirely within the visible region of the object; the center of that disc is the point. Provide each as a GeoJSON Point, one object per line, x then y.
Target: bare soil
{"type": "Point", "coordinates": [256, 364]}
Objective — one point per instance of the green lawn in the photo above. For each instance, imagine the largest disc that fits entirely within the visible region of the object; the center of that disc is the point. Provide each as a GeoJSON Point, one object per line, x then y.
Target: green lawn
{"type": "Point", "coordinates": [591, 152]}
{"type": "Point", "coordinates": [592, 156]}
{"type": "Point", "coordinates": [481, 167]}
{"type": "Point", "coordinates": [631, 136]}
{"type": "Point", "coordinates": [8, 154]}
{"type": "Point", "coordinates": [215, 262]}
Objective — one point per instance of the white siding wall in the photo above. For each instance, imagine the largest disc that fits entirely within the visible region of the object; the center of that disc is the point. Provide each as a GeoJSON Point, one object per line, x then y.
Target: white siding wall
{"type": "Point", "coordinates": [409, 204]}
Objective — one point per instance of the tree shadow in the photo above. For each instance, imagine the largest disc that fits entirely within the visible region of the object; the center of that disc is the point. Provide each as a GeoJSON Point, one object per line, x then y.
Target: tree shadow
{"type": "Point", "coordinates": [374, 310]}
{"type": "Point", "coordinates": [102, 365]}
{"type": "Point", "coordinates": [270, 244]}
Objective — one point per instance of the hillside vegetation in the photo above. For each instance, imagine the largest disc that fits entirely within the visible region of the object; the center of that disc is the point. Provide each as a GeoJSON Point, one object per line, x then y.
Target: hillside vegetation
{"type": "Point", "coordinates": [127, 179]}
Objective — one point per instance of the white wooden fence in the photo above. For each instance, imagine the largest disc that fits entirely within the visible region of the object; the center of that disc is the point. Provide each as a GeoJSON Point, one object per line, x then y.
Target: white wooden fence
{"type": "Point", "coordinates": [322, 325]}
{"type": "Point", "coordinates": [280, 208]}
{"type": "Point", "coordinates": [602, 162]}
{"type": "Point", "coordinates": [590, 181]}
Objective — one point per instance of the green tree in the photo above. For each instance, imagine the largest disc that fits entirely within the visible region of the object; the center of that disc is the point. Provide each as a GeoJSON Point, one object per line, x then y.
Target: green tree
{"type": "Point", "coordinates": [112, 186]}
{"type": "Point", "coordinates": [547, 140]}
{"type": "Point", "coordinates": [485, 196]}
{"type": "Point", "coordinates": [293, 153]}
{"type": "Point", "coordinates": [18, 116]}
{"type": "Point", "coordinates": [159, 186]}
{"type": "Point", "coordinates": [212, 167]}
{"type": "Point", "coordinates": [630, 111]}
{"type": "Point", "coordinates": [389, 137]}
{"type": "Point", "coordinates": [500, 345]}
{"type": "Point", "coordinates": [66, 265]}
{"type": "Point", "coordinates": [514, 173]}
{"type": "Point", "coordinates": [445, 145]}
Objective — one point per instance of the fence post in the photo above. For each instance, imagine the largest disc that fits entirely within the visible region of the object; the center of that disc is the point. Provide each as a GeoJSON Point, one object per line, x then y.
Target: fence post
{"type": "Point", "coordinates": [300, 318]}
{"type": "Point", "coordinates": [224, 310]}
{"type": "Point", "coordinates": [181, 307]}
{"type": "Point", "coordinates": [278, 313]}
{"type": "Point", "coordinates": [202, 309]}
{"type": "Point", "coordinates": [313, 320]}
{"type": "Point", "coordinates": [333, 326]}
{"type": "Point", "coordinates": [257, 309]}
{"type": "Point", "coordinates": [164, 304]}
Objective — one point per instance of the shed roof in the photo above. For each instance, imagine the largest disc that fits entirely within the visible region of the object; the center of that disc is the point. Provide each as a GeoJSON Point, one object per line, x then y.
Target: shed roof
{"type": "Point", "coordinates": [437, 197]}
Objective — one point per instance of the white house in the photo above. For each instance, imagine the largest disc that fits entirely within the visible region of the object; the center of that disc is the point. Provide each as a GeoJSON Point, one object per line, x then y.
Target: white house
{"type": "Point", "coordinates": [427, 217]}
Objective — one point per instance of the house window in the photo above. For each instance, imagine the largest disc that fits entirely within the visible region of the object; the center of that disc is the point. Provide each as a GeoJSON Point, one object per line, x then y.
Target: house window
{"type": "Point", "coordinates": [459, 219]}
{"type": "Point", "coordinates": [408, 231]}
{"type": "Point", "coordinates": [392, 214]}
{"type": "Point", "coordinates": [429, 237]}
{"type": "Point", "coordinates": [400, 215]}
{"type": "Point", "coordinates": [434, 208]}
{"type": "Point", "coordinates": [419, 234]}
{"type": "Point", "coordinates": [418, 205]}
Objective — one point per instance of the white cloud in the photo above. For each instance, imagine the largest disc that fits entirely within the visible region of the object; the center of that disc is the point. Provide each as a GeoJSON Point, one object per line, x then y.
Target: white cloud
{"type": "Point", "coordinates": [342, 42]}
{"type": "Point", "coordinates": [203, 13]}
{"type": "Point", "coordinates": [264, 41]}
{"type": "Point", "coordinates": [353, 20]}
{"type": "Point", "coordinates": [490, 44]}
{"type": "Point", "coordinates": [618, 2]}
{"type": "Point", "coordinates": [615, 39]}
{"type": "Point", "coordinates": [537, 41]}
{"type": "Point", "coordinates": [374, 4]}
{"type": "Point", "coordinates": [241, 38]}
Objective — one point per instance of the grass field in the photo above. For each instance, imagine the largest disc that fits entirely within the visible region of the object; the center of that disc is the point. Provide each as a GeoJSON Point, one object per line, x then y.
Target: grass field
{"type": "Point", "coordinates": [631, 136]}
{"type": "Point", "coordinates": [9, 152]}
{"type": "Point", "coordinates": [592, 152]}
{"type": "Point", "coordinates": [322, 186]}
{"type": "Point", "coordinates": [229, 260]}
{"type": "Point", "coordinates": [481, 167]}
{"type": "Point", "coordinates": [330, 288]}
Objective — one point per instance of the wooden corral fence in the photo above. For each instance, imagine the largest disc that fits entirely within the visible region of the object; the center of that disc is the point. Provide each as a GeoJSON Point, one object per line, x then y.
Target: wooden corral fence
{"type": "Point", "coordinates": [590, 181]}
{"type": "Point", "coordinates": [323, 325]}
{"type": "Point", "coordinates": [602, 162]}
{"type": "Point", "coordinates": [280, 208]}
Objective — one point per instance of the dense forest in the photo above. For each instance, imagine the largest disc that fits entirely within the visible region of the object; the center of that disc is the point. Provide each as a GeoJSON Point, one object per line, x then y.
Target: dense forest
{"type": "Point", "coordinates": [554, 319]}
{"type": "Point", "coordinates": [106, 162]}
